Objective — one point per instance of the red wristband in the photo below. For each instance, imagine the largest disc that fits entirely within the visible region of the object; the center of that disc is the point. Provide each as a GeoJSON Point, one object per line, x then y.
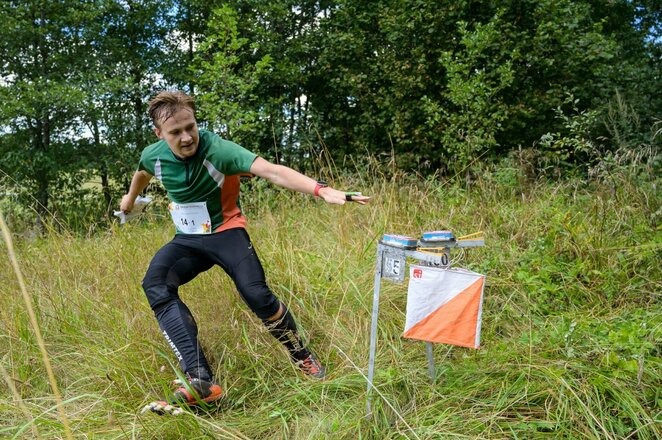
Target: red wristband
{"type": "Point", "coordinates": [319, 186]}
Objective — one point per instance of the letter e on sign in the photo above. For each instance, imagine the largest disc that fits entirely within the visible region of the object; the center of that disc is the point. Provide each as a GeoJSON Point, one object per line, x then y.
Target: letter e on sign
{"type": "Point", "coordinates": [418, 273]}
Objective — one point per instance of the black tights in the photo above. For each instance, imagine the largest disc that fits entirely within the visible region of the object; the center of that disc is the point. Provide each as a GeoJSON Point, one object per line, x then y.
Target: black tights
{"type": "Point", "coordinates": [186, 256]}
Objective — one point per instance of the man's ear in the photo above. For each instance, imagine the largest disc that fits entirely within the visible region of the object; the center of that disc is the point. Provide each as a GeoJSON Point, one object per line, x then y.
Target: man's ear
{"type": "Point", "coordinates": [157, 132]}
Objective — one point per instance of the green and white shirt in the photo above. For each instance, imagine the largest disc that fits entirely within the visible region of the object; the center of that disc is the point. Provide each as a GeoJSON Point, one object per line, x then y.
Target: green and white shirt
{"type": "Point", "coordinates": [203, 189]}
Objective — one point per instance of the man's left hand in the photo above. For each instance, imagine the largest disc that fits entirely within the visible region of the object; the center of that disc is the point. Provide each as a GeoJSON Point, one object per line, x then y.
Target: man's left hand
{"type": "Point", "coordinates": [333, 196]}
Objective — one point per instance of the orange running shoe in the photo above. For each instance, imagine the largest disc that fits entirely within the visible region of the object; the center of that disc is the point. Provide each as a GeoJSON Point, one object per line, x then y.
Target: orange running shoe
{"type": "Point", "coordinates": [195, 392]}
{"type": "Point", "coordinates": [310, 366]}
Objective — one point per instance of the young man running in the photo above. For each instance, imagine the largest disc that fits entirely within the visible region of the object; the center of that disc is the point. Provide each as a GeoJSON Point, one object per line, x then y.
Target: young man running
{"type": "Point", "coordinates": [199, 170]}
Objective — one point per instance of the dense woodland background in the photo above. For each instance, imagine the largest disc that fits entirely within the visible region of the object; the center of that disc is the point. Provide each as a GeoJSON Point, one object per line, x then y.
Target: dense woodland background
{"type": "Point", "coordinates": [434, 86]}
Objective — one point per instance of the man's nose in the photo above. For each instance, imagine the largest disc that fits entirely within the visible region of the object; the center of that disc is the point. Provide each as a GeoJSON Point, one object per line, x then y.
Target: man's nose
{"type": "Point", "coordinates": [186, 138]}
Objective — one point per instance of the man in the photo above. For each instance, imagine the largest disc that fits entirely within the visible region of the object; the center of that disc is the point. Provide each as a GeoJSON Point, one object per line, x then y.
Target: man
{"type": "Point", "coordinates": [200, 172]}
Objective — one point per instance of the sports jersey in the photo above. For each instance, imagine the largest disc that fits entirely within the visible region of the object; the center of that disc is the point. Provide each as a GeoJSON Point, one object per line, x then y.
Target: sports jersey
{"type": "Point", "coordinates": [207, 181]}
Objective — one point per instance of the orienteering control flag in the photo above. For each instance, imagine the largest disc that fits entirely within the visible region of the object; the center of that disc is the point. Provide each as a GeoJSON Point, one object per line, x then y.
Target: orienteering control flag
{"type": "Point", "coordinates": [444, 305]}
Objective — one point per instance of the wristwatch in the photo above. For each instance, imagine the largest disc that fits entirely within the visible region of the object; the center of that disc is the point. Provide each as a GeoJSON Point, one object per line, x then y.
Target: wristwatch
{"type": "Point", "coordinates": [320, 184]}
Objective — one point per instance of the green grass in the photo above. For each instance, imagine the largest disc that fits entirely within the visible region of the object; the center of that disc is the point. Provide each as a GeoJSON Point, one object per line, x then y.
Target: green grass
{"type": "Point", "coordinates": [571, 322]}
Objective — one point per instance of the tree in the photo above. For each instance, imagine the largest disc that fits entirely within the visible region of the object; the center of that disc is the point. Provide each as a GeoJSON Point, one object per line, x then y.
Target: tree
{"type": "Point", "coordinates": [129, 51]}
{"type": "Point", "coordinates": [252, 72]}
{"type": "Point", "coordinates": [76, 78]}
{"type": "Point", "coordinates": [441, 83]}
{"type": "Point", "coordinates": [226, 87]}
{"type": "Point", "coordinates": [41, 49]}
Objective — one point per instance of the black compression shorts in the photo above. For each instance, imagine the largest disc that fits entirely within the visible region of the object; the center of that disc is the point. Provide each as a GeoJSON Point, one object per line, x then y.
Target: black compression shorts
{"type": "Point", "coordinates": [186, 256]}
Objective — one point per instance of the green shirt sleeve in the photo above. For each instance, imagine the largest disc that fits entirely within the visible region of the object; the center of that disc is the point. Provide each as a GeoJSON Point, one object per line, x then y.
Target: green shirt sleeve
{"type": "Point", "coordinates": [228, 157]}
{"type": "Point", "coordinates": [147, 160]}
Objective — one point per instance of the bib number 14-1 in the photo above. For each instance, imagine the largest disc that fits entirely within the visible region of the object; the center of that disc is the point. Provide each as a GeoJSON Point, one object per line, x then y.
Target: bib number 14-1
{"type": "Point", "coordinates": [191, 218]}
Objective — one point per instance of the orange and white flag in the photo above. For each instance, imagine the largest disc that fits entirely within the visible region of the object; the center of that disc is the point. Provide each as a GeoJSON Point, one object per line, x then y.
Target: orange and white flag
{"type": "Point", "coordinates": [444, 305]}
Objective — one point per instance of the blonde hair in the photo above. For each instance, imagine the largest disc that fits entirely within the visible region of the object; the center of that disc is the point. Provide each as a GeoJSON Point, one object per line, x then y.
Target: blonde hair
{"type": "Point", "coordinates": [165, 104]}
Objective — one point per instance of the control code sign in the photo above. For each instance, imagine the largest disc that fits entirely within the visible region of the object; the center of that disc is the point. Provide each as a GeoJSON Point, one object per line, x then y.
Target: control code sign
{"type": "Point", "coordinates": [393, 267]}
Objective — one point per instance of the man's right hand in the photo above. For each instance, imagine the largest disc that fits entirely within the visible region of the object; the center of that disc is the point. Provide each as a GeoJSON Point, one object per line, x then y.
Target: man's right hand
{"type": "Point", "coordinates": [139, 182]}
{"type": "Point", "coordinates": [126, 205]}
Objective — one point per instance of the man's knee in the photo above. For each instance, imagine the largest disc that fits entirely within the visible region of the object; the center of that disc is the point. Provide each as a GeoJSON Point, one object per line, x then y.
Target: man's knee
{"type": "Point", "coordinates": [264, 305]}
{"type": "Point", "coordinates": [158, 293]}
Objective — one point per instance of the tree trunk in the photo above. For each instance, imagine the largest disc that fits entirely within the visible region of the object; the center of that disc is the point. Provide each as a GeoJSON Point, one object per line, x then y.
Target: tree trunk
{"type": "Point", "coordinates": [103, 169]}
{"type": "Point", "coordinates": [189, 22]}
{"type": "Point", "coordinates": [138, 107]}
{"type": "Point", "coordinates": [42, 203]}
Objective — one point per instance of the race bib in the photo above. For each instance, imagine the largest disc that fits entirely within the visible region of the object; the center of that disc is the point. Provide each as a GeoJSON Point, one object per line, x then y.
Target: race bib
{"type": "Point", "coordinates": [191, 218]}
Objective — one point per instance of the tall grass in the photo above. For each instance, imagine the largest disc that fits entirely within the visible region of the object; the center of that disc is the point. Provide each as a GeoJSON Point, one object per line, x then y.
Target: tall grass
{"type": "Point", "coordinates": [571, 322]}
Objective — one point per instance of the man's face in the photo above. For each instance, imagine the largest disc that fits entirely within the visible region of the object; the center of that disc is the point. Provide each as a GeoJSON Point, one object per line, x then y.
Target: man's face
{"type": "Point", "coordinates": [180, 132]}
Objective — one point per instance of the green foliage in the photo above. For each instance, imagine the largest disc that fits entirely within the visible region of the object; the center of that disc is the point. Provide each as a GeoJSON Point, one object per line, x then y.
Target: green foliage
{"type": "Point", "coordinates": [70, 69]}
{"type": "Point", "coordinates": [434, 87]}
{"type": "Point", "coordinates": [227, 89]}
{"type": "Point", "coordinates": [441, 84]}
{"type": "Point", "coordinates": [40, 45]}
{"type": "Point", "coordinates": [563, 150]}
{"type": "Point", "coordinates": [475, 113]}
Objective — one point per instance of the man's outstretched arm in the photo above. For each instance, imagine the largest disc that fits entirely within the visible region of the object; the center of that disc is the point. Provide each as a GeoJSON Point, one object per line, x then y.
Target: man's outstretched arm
{"type": "Point", "coordinates": [288, 178]}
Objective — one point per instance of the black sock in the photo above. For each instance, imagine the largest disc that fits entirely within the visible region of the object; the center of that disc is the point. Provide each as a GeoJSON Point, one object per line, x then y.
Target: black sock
{"type": "Point", "coordinates": [285, 330]}
{"type": "Point", "coordinates": [199, 373]}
